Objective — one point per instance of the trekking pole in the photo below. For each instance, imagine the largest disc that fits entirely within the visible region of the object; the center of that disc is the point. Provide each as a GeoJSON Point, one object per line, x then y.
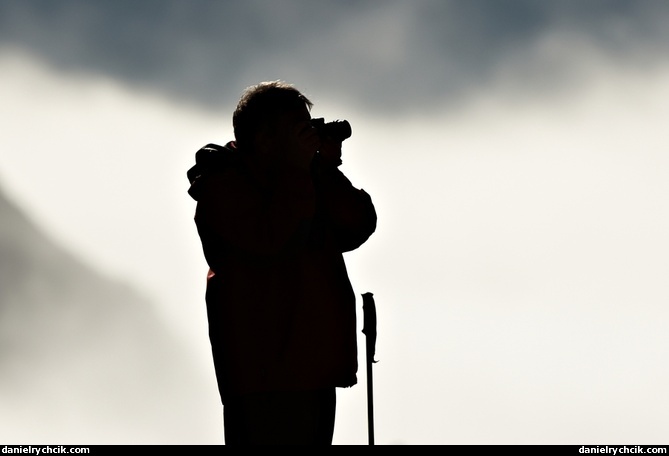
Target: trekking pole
{"type": "Point", "coordinates": [369, 330]}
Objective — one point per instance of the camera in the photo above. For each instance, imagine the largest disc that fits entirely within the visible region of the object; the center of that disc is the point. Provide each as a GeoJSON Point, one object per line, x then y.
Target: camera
{"type": "Point", "coordinates": [339, 130]}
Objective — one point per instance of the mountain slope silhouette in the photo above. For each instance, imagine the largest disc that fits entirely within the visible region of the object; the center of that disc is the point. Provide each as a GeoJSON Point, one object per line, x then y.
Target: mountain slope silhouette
{"type": "Point", "coordinates": [86, 359]}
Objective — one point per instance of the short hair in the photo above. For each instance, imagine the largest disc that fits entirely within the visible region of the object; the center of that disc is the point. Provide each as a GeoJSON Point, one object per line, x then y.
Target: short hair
{"type": "Point", "coordinates": [261, 104]}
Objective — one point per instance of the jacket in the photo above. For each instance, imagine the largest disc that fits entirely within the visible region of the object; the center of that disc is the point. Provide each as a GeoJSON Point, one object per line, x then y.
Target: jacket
{"type": "Point", "coordinates": [280, 305]}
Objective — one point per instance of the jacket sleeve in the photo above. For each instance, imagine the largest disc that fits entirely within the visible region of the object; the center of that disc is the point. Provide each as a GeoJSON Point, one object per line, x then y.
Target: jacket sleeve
{"type": "Point", "coordinates": [234, 214]}
{"type": "Point", "coordinates": [350, 211]}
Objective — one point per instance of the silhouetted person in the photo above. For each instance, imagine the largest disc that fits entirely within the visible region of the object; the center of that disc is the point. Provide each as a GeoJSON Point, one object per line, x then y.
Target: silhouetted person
{"type": "Point", "coordinates": [274, 214]}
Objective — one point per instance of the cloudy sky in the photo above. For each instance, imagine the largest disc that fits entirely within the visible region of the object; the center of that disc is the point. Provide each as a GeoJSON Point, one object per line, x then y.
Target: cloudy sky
{"type": "Point", "coordinates": [515, 151]}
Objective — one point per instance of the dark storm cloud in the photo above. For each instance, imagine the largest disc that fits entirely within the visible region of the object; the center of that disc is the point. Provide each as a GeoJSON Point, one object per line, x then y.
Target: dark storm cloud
{"type": "Point", "coordinates": [390, 54]}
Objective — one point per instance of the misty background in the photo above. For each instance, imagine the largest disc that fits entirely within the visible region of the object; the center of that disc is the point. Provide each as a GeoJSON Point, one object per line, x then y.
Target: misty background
{"type": "Point", "coordinates": [516, 154]}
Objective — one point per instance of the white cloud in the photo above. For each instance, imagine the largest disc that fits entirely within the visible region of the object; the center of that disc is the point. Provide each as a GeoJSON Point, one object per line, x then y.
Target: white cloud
{"type": "Point", "coordinates": [519, 265]}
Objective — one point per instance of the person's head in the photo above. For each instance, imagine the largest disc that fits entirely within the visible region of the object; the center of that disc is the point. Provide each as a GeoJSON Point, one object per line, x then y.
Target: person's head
{"type": "Point", "coordinates": [262, 106]}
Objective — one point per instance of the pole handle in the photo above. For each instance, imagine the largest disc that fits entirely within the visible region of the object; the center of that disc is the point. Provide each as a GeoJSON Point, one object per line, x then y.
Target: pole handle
{"type": "Point", "coordinates": [369, 324]}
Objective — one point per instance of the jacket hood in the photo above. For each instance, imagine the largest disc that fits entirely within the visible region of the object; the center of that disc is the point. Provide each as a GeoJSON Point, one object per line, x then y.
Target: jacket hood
{"type": "Point", "coordinates": [210, 158]}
